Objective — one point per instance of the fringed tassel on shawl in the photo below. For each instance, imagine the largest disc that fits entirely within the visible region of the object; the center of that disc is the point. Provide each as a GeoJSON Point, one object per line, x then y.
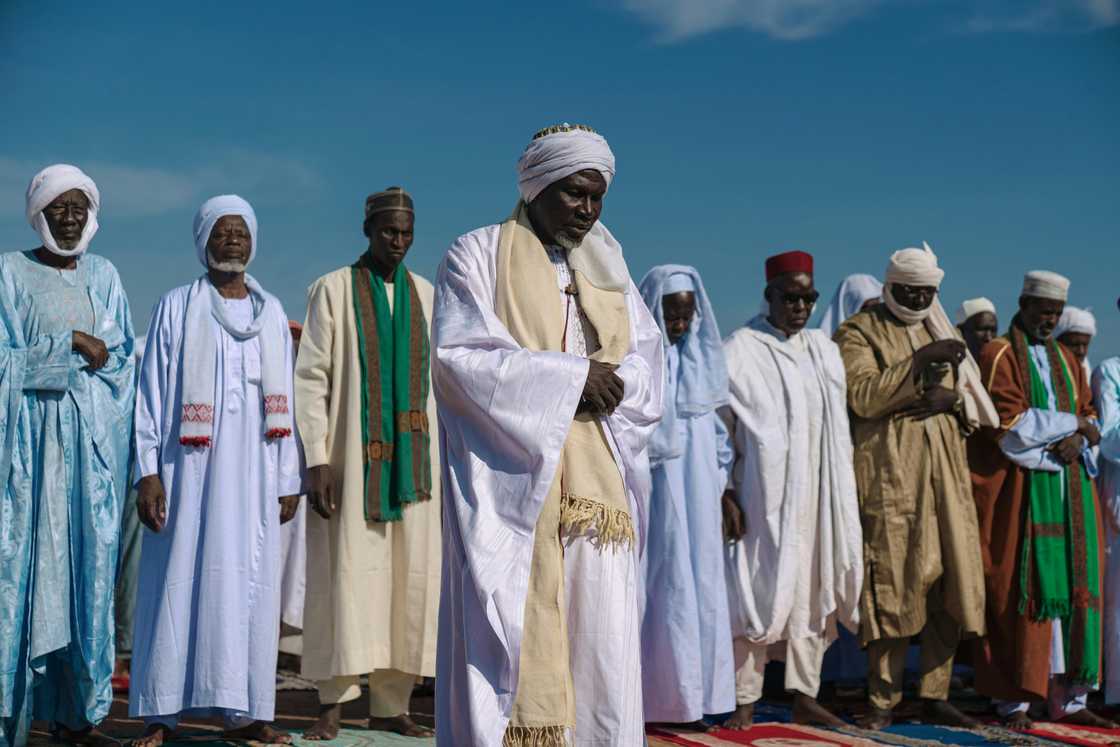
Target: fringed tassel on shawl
{"type": "Point", "coordinates": [535, 736]}
{"type": "Point", "coordinates": [612, 526]}
{"type": "Point", "coordinates": [200, 441]}
{"type": "Point", "coordinates": [278, 433]}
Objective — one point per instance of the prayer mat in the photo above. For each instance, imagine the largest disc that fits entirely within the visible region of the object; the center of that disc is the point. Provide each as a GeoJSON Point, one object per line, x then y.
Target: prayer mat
{"type": "Point", "coordinates": [1067, 734]}
{"type": "Point", "coordinates": [759, 735]}
{"type": "Point", "coordinates": [929, 735]}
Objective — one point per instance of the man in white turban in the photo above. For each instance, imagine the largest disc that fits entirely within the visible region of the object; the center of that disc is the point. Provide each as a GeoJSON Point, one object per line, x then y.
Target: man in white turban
{"type": "Point", "coordinates": [1076, 330]}
{"type": "Point", "coordinates": [914, 393]}
{"type": "Point", "coordinates": [548, 370]}
{"type": "Point", "coordinates": [1032, 478]}
{"type": "Point", "coordinates": [979, 324]}
{"type": "Point", "coordinates": [218, 472]}
{"type": "Point", "coordinates": [66, 393]}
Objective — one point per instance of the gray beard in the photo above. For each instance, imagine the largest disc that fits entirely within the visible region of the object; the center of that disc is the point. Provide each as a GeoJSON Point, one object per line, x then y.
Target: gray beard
{"type": "Point", "coordinates": [566, 242]}
{"type": "Point", "coordinates": [234, 267]}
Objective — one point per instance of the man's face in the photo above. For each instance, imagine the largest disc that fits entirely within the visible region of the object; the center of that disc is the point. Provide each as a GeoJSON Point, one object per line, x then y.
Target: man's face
{"type": "Point", "coordinates": [66, 217]}
{"type": "Point", "coordinates": [791, 298]}
{"type": "Point", "coordinates": [980, 329]}
{"type": "Point", "coordinates": [390, 237]}
{"type": "Point", "coordinates": [1078, 344]}
{"type": "Point", "coordinates": [1040, 315]}
{"type": "Point", "coordinates": [230, 244]}
{"type": "Point", "coordinates": [566, 210]}
{"type": "Point", "coordinates": [914, 297]}
{"type": "Point", "coordinates": [678, 310]}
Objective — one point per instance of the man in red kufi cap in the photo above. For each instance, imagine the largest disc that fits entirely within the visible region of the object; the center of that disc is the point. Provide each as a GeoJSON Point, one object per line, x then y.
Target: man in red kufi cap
{"type": "Point", "coordinates": [796, 566]}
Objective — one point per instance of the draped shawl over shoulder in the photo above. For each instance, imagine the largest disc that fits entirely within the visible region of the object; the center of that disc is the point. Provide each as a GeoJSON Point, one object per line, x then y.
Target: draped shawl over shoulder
{"type": "Point", "coordinates": [505, 413]}
{"type": "Point", "coordinates": [774, 488]}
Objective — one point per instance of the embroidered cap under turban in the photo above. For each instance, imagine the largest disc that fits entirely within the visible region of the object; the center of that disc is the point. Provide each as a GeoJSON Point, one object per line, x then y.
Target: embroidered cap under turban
{"type": "Point", "coordinates": [47, 185]}
{"type": "Point", "coordinates": [211, 211]}
{"type": "Point", "coordinates": [393, 198]}
{"type": "Point", "coordinates": [558, 152]}
{"type": "Point", "coordinates": [1046, 284]}
{"type": "Point", "coordinates": [972, 307]}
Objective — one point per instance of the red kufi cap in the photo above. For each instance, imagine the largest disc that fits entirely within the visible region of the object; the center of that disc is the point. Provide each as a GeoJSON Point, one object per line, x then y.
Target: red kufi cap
{"type": "Point", "coordinates": [781, 264]}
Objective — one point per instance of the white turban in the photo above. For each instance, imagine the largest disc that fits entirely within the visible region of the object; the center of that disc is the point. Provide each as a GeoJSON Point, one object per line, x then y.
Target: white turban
{"type": "Point", "coordinates": [919, 267]}
{"type": "Point", "coordinates": [1046, 284]}
{"type": "Point", "coordinates": [558, 155]}
{"type": "Point", "coordinates": [42, 191]}
{"type": "Point", "coordinates": [1078, 321]}
{"type": "Point", "coordinates": [912, 267]}
{"type": "Point", "coordinates": [211, 211]}
{"type": "Point", "coordinates": [972, 307]}
{"type": "Point", "coordinates": [679, 282]}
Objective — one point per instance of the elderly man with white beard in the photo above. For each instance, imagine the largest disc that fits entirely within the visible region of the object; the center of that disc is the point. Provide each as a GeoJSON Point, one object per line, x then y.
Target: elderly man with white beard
{"type": "Point", "coordinates": [66, 391]}
{"type": "Point", "coordinates": [548, 371]}
{"type": "Point", "coordinates": [214, 430]}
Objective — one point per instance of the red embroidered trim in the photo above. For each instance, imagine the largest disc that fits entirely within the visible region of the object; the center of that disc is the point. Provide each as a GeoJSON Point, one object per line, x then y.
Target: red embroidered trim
{"type": "Point", "coordinates": [278, 433]}
{"type": "Point", "coordinates": [203, 441]}
{"type": "Point", "coordinates": [193, 413]}
{"type": "Point", "coordinates": [275, 404]}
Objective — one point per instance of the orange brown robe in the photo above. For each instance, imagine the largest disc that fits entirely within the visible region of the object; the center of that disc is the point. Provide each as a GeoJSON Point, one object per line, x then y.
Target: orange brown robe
{"type": "Point", "coordinates": [1013, 661]}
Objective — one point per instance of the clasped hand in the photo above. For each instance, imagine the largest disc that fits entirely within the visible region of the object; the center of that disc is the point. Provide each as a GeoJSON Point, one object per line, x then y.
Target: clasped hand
{"type": "Point", "coordinates": [90, 348]}
{"type": "Point", "coordinates": [603, 390]}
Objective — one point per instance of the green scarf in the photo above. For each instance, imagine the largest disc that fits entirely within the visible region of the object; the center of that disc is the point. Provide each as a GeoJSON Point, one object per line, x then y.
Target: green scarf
{"type": "Point", "coordinates": [393, 349]}
{"type": "Point", "coordinates": [1059, 574]}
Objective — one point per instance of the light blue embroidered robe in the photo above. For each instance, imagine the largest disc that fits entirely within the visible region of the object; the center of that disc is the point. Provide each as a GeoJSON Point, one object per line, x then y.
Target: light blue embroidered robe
{"type": "Point", "coordinates": [64, 440]}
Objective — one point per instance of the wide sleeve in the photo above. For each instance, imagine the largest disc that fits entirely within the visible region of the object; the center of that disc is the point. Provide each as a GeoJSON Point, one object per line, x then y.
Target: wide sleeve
{"type": "Point", "coordinates": [873, 392]}
{"type": "Point", "coordinates": [1106, 397]}
{"type": "Point", "coordinates": [44, 362]}
{"type": "Point", "coordinates": [313, 373]}
{"type": "Point", "coordinates": [498, 402]}
{"type": "Point", "coordinates": [152, 392]}
{"type": "Point", "coordinates": [643, 375]}
{"type": "Point", "coordinates": [288, 462]}
{"type": "Point", "coordinates": [725, 449]}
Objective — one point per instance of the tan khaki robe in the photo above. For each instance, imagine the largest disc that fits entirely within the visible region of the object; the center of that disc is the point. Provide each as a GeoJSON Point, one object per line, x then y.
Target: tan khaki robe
{"type": "Point", "coordinates": [372, 587]}
{"type": "Point", "coordinates": [919, 520]}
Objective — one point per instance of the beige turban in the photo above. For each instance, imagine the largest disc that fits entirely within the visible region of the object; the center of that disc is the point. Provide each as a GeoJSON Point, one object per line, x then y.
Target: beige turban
{"type": "Point", "coordinates": [1046, 284]}
{"type": "Point", "coordinates": [972, 307]}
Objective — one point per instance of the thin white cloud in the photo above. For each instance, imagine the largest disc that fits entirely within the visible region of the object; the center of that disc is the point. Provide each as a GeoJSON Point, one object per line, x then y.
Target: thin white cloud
{"type": "Point", "coordinates": [795, 20]}
{"type": "Point", "coordinates": [142, 191]}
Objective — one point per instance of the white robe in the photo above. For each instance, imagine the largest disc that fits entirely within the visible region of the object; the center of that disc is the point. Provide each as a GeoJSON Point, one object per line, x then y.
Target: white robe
{"type": "Point", "coordinates": [208, 603]}
{"type": "Point", "coordinates": [504, 417]}
{"type": "Point", "coordinates": [792, 576]}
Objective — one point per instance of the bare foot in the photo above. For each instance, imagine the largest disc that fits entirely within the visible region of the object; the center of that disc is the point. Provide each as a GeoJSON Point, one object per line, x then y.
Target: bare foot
{"type": "Point", "coordinates": [743, 717]}
{"type": "Point", "coordinates": [154, 736]}
{"type": "Point", "coordinates": [1018, 721]}
{"type": "Point", "coordinates": [259, 731]}
{"type": "Point", "coordinates": [944, 713]}
{"type": "Point", "coordinates": [326, 728]}
{"type": "Point", "coordinates": [876, 719]}
{"type": "Point", "coordinates": [90, 736]}
{"type": "Point", "coordinates": [1085, 717]}
{"type": "Point", "coordinates": [808, 711]}
{"type": "Point", "coordinates": [401, 724]}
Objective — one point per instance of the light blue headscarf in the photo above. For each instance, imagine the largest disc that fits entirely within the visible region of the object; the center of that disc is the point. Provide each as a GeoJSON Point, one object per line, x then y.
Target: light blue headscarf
{"type": "Point", "coordinates": [702, 374]}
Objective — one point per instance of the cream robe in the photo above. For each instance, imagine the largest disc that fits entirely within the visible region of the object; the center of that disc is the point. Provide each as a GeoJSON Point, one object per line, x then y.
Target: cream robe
{"type": "Point", "coordinates": [372, 587]}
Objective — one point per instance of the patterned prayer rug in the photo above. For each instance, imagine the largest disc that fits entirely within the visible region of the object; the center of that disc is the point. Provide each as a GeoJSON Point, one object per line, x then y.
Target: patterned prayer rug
{"type": "Point", "coordinates": [759, 735]}
{"type": "Point", "coordinates": [1084, 735]}
{"type": "Point", "coordinates": [928, 735]}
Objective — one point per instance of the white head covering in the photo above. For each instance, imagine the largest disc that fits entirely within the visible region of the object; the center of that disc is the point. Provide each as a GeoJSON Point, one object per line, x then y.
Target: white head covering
{"type": "Point", "coordinates": [702, 375]}
{"type": "Point", "coordinates": [1046, 284]}
{"type": "Point", "coordinates": [49, 184]}
{"type": "Point", "coordinates": [560, 152]}
{"type": "Point", "coordinates": [211, 211]}
{"type": "Point", "coordinates": [919, 267]}
{"type": "Point", "coordinates": [912, 267]}
{"type": "Point", "coordinates": [1079, 321]}
{"type": "Point", "coordinates": [972, 307]}
{"type": "Point", "coordinates": [853, 293]}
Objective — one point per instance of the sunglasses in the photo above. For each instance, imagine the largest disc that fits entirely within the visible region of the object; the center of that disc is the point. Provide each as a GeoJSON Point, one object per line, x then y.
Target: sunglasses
{"type": "Point", "coordinates": [791, 299]}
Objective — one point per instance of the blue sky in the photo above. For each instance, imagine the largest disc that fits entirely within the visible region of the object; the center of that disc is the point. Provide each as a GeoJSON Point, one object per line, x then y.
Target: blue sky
{"type": "Point", "coordinates": [848, 128]}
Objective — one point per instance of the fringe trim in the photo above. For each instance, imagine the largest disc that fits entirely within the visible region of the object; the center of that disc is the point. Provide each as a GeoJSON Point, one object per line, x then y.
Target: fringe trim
{"type": "Point", "coordinates": [1051, 609]}
{"type": "Point", "coordinates": [278, 433]}
{"type": "Point", "coordinates": [535, 736]}
{"type": "Point", "coordinates": [612, 527]}
{"type": "Point", "coordinates": [201, 441]}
